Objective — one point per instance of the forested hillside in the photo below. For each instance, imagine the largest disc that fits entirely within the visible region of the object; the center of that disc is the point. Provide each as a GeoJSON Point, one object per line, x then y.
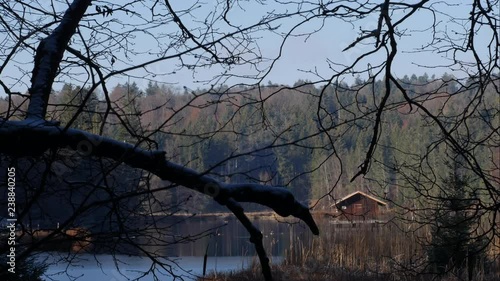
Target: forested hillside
{"type": "Point", "coordinates": [272, 134]}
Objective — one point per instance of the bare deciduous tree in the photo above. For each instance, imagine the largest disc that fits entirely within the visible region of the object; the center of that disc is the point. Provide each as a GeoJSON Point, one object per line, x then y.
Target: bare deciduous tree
{"type": "Point", "coordinates": [90, 43]}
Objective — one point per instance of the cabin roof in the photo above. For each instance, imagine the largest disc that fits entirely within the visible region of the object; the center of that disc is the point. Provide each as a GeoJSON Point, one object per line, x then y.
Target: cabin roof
{"type": "Point", "coordinates": [363, 194]}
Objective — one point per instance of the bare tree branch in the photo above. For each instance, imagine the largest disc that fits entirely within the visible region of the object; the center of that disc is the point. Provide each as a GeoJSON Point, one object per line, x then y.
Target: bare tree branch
{"type": "Point", "coordinates": [48, 57]}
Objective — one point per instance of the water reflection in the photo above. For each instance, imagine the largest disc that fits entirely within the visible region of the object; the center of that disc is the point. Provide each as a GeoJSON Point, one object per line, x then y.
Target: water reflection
{"type": "Point", "coordinates": [88, 267]}
{"type": "Point", "coordinates": [225, 241]}
{"type": "Point", "coordinates": [225, 237]}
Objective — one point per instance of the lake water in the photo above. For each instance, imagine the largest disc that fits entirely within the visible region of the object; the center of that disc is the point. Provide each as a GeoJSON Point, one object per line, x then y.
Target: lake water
{"type": "Point", "coordinates": [226, 244]}
{"type": "Point", "coordinates": [223, 239]}
{"type": "Point", "coordinates": [88, 267]}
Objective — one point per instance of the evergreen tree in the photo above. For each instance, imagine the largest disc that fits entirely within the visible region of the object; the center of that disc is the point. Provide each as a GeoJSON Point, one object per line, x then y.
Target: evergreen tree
{"type": "Point", "coordinates": [453, 245]}
{"type": "Point", "coordinates": [152, 89]}
{"type": "Point", "coordinates": [126, 98]}
{"type": "Point", "coordinates": [72, 98]}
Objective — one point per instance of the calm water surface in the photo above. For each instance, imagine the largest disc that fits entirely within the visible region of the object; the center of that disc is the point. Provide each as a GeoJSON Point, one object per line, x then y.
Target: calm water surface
{"type": "Point", "coordinates": [227, 245]}
{"type": "Point", "coordinates": [88, 267]}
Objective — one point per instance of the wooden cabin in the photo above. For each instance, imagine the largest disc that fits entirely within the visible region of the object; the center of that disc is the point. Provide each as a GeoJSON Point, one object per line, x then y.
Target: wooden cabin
{"type": "Point", "coordinates": [359, 206]}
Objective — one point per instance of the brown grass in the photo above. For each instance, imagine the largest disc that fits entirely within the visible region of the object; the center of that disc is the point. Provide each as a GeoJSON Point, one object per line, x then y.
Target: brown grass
{"type": "Point", "coordinates": [293, 273]}
{"type": "Point", "coordinates": [355, 252]}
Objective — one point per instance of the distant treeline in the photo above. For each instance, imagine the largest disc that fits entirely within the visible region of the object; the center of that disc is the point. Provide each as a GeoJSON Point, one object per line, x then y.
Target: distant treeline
{"type": "Point", "coordinates": [291, 136]}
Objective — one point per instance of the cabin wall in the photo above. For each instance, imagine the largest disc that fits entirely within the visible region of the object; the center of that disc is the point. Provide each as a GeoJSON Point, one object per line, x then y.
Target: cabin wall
{"type": "Point", "coordinates": [360, 208]}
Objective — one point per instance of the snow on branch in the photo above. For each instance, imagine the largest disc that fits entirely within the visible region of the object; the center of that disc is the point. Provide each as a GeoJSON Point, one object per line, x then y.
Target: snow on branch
{"type": "Point", "coordinates": [48, 57]}
{"type": "Point", "coordinates": [33, 136]}
{"type": "Point", "coordinates": [26, 138]}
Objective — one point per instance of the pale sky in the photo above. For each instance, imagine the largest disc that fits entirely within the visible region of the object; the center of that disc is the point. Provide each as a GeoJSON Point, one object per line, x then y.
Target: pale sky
{"type": "Point", "coordinates": [300, 55]}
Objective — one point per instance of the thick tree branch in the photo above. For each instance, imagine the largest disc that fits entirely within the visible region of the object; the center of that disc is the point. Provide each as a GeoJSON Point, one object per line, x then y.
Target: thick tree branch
{"type": "Point", "coordinates": [48, 57]}
{"type": "Point", "coordinates": [255, 237]}
{"type": "Point", "coordinates": [34, 136]}
{"type": "Point", "coordinates": [29, 138]}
